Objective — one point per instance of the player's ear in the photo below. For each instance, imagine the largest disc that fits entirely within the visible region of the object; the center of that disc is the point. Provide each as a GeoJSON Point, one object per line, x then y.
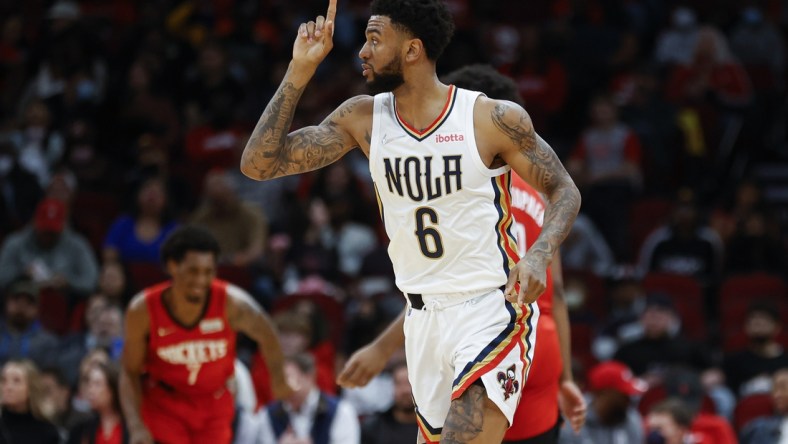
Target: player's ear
{"type": "Point", "coordinates": [414, 50]}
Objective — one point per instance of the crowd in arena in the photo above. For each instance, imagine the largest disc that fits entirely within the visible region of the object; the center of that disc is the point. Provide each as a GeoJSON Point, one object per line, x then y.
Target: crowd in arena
{"type": "Point", "coordinates": [122, 120]}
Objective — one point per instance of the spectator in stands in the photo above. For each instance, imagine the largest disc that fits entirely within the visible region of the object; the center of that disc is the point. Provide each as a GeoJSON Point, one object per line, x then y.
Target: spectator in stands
{"type": "Point", "coordinates": [21, 333]}
{"type": "Point", "coordinates": [606, 166]}
{"type": "Point", "coordinates": [398, 424]}
{"type": "Point", "coordinates": [541, 79]}
{"type": "Point", "coordinates": [295, 336]}
{"type": "Point", "coordinates": [670, 422]}
{"type": "Point", "coordinates": [104, 330]}
{"type": "Point", "coordinates": [756, 245]}
{"type": "Point", "coordinates": [757, 42]}
{"type": "Point", "coordinates": [612, 418]}
{"type": "Point", "coordinates": [137, 237]}
{"type": "Point", "coordinates": [674, 46]}
{"type": "Point", "coordinates": [20, 190]}
{"type": "Point", "coordinates": [56, 392]}
{"type": "Point", "coordinates": [240, 228]}
{"type": "Point", "coordinates": [23, 418]}
{"type": "Point", "coordinates": [107, 425]}
{"type": "Point", "coordinates": [586, 248]}
{"type": "Point", "coordinates": [661, 343]}
{"type": "Point", "coordinates": [50, 253]}
{"type": "Point", "coordinates": [771, 429]}
{"type": "Point", "coordinates": [712, 76]}
{"type": "Point", "coordinates": [729, 215]}
{"type": "Point", "coordinates": [309, 415]}
{"type": "Point", "coordinates": [39, 146]}
{"type": "Point", "coordinates": [627, 303]}
{"type": "Point", "coordinates": [114, 284]}
{"type": "Point", "coordinates": [750, 370]}
{"type": "Point", "coordinates": [684, 246]}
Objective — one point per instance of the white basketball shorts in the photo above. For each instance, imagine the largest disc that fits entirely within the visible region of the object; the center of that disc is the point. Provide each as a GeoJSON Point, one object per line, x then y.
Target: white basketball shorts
{"type": "Point", "coordinates": [453, 340]}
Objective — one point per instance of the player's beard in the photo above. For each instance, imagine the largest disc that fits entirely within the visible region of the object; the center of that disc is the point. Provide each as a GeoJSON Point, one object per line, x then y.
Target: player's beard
{"type": "Point", "coordinates": [388, 79]}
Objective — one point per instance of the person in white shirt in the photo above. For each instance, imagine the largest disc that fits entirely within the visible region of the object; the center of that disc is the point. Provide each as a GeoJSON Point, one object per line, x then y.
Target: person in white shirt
{"type": "Point", "coordinates": [309, 416]}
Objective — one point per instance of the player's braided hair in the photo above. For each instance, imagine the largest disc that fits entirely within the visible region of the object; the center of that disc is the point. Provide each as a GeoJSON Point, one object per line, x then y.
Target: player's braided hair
{"type": "Point", "coordinates": [427, 20]}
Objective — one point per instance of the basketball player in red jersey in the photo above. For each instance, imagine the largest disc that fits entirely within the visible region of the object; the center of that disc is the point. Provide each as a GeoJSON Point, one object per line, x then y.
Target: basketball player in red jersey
{"type": "Point", "coordinates": [536, 420]}
{"type": "Point", "coordinates": [179, 349]}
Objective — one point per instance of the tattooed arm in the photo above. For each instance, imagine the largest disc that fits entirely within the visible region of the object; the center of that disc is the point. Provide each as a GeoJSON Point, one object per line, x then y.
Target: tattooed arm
{"type": "Point", "coordinates": [246, 316]}
{"type": "Point", "coordinates": [508, 128]}
{"type": "Point", "coordinates": [272, 152]}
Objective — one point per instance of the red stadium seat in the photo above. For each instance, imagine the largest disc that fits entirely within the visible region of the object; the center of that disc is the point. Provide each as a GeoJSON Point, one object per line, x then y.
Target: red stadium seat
{"type": "Point", "coordinates": [53, 310]}
{"type": "Point", "coordinates": [145, 274]}
{"type": "Point", "coordinates": [752, 285]}
{"type": "Point", "coordinates": [687, 296]}
{"type": "Point", "coordinates": [239, 276]}
{"type": "Point", "coordinates": [92, 214]}
{"type": "Point", "coordinates": [644, 217]}
{"type": "Point", "coordinates": [716, 427]}
{"type": "Point", "coordinates": [752, 407]}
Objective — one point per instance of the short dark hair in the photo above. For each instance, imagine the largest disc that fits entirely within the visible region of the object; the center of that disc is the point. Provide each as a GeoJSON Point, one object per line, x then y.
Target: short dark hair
{"type": "Point", "coordinates": [427, 20]}
{"type": "Point", "coordinates": [188, 238]}
{"type": "Point", "coordinates": [484, 78]}
{"type": "Point", "coordinates": [677, 409]}
{"type": "Point", "coordinates": [304, 361]}
{"type": "Point", "coordinates": [766, 307]}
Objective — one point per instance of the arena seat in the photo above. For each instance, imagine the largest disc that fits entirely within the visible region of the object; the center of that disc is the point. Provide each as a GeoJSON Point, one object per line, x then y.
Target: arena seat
{"type": "Point", "coordinates": [752, 407]}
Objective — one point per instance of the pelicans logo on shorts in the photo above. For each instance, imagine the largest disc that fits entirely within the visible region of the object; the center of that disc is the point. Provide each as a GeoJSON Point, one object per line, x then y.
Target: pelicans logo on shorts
{"type": "Point", "coordinates": [509, 383]}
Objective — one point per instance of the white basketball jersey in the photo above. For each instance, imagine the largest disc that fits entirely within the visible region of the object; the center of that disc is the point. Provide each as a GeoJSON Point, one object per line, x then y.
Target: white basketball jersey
{"type": "Point", "coordinates": [447, 215]}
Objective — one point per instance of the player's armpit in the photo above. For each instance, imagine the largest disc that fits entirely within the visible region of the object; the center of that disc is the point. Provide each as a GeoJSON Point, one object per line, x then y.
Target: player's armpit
{"type": "Point", "coordinates": [271, 152]}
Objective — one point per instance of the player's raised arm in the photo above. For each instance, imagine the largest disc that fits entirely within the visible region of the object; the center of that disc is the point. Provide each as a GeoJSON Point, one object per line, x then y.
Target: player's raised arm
{"type": "Point", "coordinates": [272, 152]}
{"type": "Point", "coordinates": [510, 128]}
{"type": "Point", "coordinates": [246, 316]}
{"type": "Point", "coordinates": [130, 384]}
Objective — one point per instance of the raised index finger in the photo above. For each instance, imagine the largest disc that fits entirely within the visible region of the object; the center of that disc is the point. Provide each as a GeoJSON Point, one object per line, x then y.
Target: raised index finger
{"type": "Point", "coordinates": [332, 10]}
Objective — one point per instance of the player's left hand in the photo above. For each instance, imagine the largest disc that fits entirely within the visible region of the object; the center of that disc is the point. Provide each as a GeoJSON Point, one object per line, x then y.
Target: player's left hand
{"type": "Point", "coordinates": [572, 404]}
{"type": "Point", "coordinates": [531, 273]}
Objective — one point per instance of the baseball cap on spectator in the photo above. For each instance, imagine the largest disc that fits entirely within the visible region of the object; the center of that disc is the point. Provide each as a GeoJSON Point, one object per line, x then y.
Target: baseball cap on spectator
{"type": "Point", "coordinates": [617, 376]}
{"type": "Point", "coordinates": [50, 216]}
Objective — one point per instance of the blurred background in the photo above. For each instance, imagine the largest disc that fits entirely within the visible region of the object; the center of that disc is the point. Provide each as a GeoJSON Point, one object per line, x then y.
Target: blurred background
{"type": "Point", "coordinates": [121, 119]}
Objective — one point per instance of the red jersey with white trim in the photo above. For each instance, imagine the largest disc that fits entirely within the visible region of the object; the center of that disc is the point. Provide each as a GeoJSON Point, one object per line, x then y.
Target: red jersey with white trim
{"type": "Point", "coordinates": [196, 360]}
{"type": "Point", "coordinates": [538, 408]}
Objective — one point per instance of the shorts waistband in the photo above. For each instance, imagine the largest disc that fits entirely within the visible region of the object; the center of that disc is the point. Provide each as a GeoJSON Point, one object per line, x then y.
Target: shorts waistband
{"type": "Point", "coordinates": [440, 301]}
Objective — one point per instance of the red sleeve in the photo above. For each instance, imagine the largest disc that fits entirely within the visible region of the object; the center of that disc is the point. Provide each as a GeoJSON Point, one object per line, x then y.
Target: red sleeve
{"type": "Point", "coordinates": [632, 150]}
{"type": "Point", "coordinates": [731, 81]}
{"type": "Point", "coordinates": [677, 83]}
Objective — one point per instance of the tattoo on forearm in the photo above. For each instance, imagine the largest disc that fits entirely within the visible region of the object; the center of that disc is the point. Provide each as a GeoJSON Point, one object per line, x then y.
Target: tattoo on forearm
{"type": "Point", "coordinates": [466, 417]}
{"type": "Point", "coordinates": [271, 152]}
{"type": "Point", "coordinates": [548, 172]}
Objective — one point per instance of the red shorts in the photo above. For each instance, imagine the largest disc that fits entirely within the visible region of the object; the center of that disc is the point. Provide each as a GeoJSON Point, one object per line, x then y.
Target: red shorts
{"type": "Point", "coordinates": [538, 408]}
{"type": "Point", "coordinates": [175, 418]}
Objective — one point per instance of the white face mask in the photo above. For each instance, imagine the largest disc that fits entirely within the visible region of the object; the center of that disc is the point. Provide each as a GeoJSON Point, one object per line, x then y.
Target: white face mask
{"type": "Point", "coordinates": [6, 164]}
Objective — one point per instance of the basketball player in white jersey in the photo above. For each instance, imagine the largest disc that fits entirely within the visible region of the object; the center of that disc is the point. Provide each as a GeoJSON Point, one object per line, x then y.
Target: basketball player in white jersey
{"type": "Point", "coordinates": [440, 158]}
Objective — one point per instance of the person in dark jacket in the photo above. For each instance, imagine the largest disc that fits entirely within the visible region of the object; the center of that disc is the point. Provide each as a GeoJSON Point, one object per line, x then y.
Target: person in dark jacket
{"type": "Point", "coordinates": [107, 425]}
{"type": "Point", "coordinates": [23, 419]}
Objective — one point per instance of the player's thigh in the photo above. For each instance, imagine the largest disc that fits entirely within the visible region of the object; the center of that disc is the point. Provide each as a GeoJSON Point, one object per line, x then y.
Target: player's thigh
{"type": "Point", "coordinates": [474, 419]}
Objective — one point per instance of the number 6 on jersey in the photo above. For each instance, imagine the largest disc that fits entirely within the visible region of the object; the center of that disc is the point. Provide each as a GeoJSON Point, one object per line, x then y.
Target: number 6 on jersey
{"type": "Point", "coordinates": [425, 233]}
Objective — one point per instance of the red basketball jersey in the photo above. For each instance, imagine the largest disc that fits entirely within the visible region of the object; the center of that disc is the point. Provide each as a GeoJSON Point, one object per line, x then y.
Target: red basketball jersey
{"type": "Point", "coordinates": [196, 360]}
{"type": "Point", "coordinates": [538, 408]}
